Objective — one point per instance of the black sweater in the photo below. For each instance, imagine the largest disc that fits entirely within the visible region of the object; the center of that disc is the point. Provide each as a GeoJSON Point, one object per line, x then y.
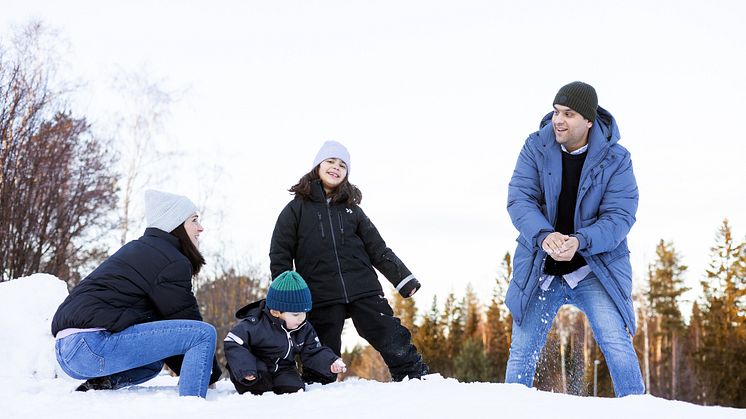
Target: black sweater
{"type": "Point", "coordinates": [572, 166]}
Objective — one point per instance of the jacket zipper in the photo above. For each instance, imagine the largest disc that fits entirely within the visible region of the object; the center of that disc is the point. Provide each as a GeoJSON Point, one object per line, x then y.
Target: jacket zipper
{"type": "Point", "coordinates": [290, 346]}
{"type": "Point", "coordinates": [336, 254]}
{"type": "Point", "coordinates": [341, 228]}
{"type": "Point", "coordinates": [582, 184]}
{"type": "Point", "coordinates": [321, 226]}
{"type": "Point", "coordinates": [290, 343]}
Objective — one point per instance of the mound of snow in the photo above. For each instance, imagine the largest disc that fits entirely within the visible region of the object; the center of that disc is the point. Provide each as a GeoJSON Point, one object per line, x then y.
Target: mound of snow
{"type": "Point", "coordinates": [352, 398]}
{"type": "Point", "coordinates": [31, 387]}
{"type": "Point", "coordinates": [26, 342]}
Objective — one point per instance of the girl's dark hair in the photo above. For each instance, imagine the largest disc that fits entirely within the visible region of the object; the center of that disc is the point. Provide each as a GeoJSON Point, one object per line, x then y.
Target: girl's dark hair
{"type": "Point", "coordinates": [189, 249]}
{"type": "Point", "coordinates": [345, 193]}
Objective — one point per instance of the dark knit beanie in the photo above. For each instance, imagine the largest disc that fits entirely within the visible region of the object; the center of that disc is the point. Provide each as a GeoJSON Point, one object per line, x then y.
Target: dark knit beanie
{"type": "Point", "coordinates": [289, 293]}
{"type": "Point", "coordinates": [580, 97]}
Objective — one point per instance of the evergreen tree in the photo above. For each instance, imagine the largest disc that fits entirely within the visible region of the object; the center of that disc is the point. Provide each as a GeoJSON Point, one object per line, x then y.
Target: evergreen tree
{"type": "Point", "coordinates": [497, 327]}
{"type": "Point", "coordinates": [453, 320]}
{"type": "Point", "coordinates": [471, 364]}
{"type": "Point", "coordinates": [406, 310]}
{"type": "Point", "coordinates": [692, 390]}
{"type": "Point", "coordinates": [429, 338]}
{"type": "Point", "coordinates": [666, 282]}
{"type": "Point", "coordinates": [495, 345]}
{"type": "Point", "coordinates": [721, 360]}
{"type": "Point", "coordinates": [473, 315]}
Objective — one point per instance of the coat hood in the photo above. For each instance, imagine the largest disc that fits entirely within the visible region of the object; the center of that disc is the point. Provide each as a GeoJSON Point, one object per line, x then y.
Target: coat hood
{"type": "Point", "coordinates": [604, 127]}
{"type": "Point", "coordinates": [251, 309]}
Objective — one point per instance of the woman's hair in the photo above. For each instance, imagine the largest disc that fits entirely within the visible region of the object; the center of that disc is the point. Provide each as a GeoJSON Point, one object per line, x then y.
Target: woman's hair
{"type": "Point", "coordinates": [189, 249]}
{"type": "Point", "coordinates": [345, 193]}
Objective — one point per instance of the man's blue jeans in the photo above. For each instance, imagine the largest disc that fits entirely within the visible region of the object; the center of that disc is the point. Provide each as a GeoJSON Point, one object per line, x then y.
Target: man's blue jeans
{"type": "Point", "coordinates": [136, 354]}
{"type": "Point", "coordinates": [608, 327]}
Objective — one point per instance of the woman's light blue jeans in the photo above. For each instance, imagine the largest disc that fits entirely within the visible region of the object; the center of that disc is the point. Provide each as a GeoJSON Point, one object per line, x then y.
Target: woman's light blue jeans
{"type": "Point", "coordinates": [136, 354]}
{"type": "Point", "coordinates": [608, 327]}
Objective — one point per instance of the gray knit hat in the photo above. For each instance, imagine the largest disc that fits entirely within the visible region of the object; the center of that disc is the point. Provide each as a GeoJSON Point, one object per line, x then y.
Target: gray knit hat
{"type": "Point", "coordinates": [332, 149]}
{"type": "Point", "coordinates": [580, 97]}
{"type": "Point", "coordinates": [166, 211]}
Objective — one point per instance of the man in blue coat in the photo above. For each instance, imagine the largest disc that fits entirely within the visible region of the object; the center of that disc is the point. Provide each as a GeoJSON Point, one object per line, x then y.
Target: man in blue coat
{"type": "Point", "coordinates": [573, 198]}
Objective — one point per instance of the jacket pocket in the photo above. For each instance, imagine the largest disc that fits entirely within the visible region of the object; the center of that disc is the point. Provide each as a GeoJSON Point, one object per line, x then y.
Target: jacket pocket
{"type": "Point", "coordinates": [341, 227]}
{"type": "Point", "coordinates": [612, 256]}
{"type": "Point", "coordinates": [523, 264]}
{"type": "Point", "coordinates": [365, 261]}
{"type": "Point", "coordinates": [617, 264]}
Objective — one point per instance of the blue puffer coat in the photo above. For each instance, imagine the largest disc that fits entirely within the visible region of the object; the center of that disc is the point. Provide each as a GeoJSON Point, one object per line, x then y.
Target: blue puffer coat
{"type": "Point", "coordinates": [604, 213]}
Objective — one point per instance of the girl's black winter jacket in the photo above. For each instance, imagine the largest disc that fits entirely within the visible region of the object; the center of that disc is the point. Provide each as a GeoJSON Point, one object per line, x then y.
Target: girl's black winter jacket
{"type": "Point", "coordinates": [262, 337]}
{"type": "Point", "coordinates": [335, 248]}
{"type": "Point", "coordinates": [148, 279]}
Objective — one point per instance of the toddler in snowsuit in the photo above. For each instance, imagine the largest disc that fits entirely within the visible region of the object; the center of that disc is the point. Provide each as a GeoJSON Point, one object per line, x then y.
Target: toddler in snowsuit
{"type": "Point", "coordinates": [261, 348]}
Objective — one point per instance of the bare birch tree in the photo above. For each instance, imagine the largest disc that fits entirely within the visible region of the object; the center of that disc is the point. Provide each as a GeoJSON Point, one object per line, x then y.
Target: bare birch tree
{"type": "Point", "coordinates": [145, 107]}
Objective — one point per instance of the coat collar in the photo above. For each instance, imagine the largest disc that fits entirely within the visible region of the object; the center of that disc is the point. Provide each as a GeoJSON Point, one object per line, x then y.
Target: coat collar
{"type": "Point", "coordinates": [317, 191]}
{"type": "Point", "coordinates": [156, 232]}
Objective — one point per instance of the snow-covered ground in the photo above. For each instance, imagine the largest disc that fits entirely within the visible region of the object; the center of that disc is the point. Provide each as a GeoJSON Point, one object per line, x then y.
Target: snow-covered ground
{"type": "Point", "coordinates": [32, 386]}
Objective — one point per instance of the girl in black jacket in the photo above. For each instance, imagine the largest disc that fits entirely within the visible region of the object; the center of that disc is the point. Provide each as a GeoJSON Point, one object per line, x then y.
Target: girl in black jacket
{"type": "Point", "coordinates": [137, 310]}
{"type": "Point", "coordinates": [334, 246]}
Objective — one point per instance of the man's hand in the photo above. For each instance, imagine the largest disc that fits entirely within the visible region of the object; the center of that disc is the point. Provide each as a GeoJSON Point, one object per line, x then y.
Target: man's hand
{"type": "Point", "coordinates": [560, 247]}
{"type": "Point", "coordinates": [567, 250]}
{"type": "Point", "coordinates": [553, 243]}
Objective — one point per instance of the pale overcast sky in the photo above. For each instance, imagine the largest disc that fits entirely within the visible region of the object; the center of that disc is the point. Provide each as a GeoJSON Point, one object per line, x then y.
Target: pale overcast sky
{"type": "Point", "coordinates": [434, 100]}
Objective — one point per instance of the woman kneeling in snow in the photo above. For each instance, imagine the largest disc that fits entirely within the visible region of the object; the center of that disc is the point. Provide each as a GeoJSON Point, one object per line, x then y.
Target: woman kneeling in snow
{"type": "Point", "coordinates": [137, 310]}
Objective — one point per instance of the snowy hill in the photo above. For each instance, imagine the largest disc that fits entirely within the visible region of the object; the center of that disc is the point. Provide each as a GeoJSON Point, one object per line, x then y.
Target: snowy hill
{"type": "Point", "coordinates": [32, 386]}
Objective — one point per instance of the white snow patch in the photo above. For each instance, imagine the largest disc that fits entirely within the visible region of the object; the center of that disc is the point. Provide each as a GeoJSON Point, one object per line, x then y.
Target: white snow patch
{"type": "Point", "coordinates": [26, 342]}
{"type": "Point", "coordinates": [30, 389]}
